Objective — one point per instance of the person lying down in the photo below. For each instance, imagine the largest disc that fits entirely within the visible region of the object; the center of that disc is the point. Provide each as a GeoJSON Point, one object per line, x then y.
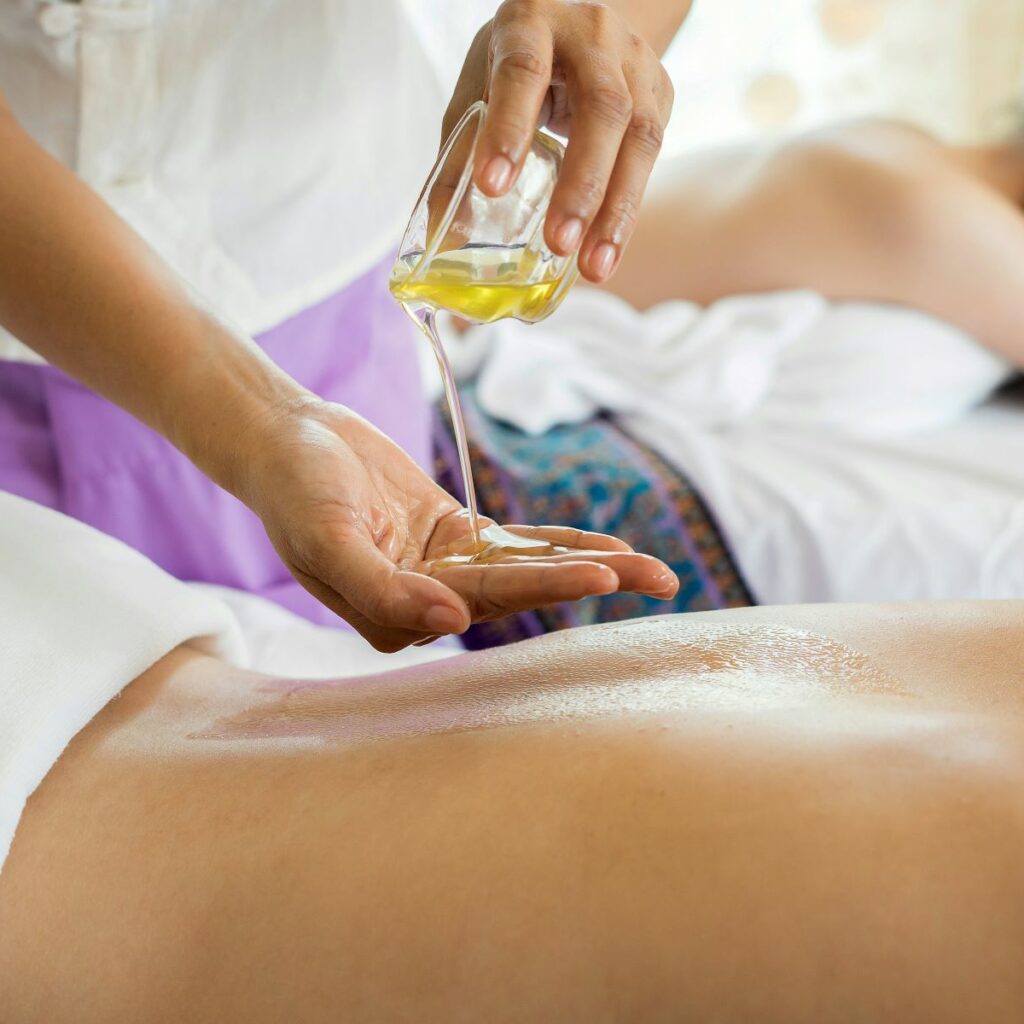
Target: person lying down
{"type": "Point", "coordinates": [775, 814]}
{"type": "Point", "coordinates": [863, 279]}
{"type": "Point", "coordinates": [868, 210]}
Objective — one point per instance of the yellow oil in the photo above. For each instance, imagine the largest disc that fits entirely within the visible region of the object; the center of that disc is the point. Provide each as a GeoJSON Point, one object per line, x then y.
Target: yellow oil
{"type": "Point", "coordinates": [482, 284]}
{"type": "Point", "coordinates": [482, 303]}
{"type": "Point", "coordinates": [495, 544]}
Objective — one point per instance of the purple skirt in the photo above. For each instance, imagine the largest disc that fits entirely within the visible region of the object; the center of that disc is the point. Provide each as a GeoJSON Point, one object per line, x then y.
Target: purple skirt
{"type": "Point", "coordinates": [64, 446]}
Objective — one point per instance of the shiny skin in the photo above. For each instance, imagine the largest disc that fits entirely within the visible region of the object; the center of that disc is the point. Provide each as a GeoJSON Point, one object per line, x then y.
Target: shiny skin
{"type": "Point", "coordinates": [787, 814]}
{"type": "Point", "coordinates": [865, 210]}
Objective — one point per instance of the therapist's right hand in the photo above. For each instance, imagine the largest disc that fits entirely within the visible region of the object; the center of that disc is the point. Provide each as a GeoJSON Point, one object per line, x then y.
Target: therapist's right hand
{"type": "Point", "coordinates": [356, 521]}
{"type": "Point", "coordinates": [579, 68]}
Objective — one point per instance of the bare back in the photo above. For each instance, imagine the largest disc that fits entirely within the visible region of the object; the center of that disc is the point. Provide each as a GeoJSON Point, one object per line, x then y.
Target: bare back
{"type": "Point", "coordinates": [871, 211]}
{"type": "Point", "coordinates": [749, 815]}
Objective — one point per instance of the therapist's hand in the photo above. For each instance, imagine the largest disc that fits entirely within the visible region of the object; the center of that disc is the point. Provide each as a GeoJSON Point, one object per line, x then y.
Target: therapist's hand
{"type": "Point", "coordinates": [355, 519]}
{"type": "Point", "coordinates": [575, 66]}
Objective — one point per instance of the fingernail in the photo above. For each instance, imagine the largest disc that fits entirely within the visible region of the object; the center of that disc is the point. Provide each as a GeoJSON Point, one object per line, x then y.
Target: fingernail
{"type": "Point", "coordinates": [669, 581]}
{"type": "Point", "coordinates": [442, 620]}
{"type": "Point", "coordinates": [498, 173]}
{"type": "Point", "coordinates": [569, 234]}
{"type": "Point", "coordinates": [602, 259]}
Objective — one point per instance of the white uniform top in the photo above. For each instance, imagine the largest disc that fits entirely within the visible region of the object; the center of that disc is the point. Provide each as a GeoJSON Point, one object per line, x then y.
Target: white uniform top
{"type": "Point", "coordinates": [270, 150]}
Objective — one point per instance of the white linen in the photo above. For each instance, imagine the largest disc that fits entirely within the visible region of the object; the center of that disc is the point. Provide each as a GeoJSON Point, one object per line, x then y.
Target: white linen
{"type": "Point", "coordinates": [280, 643]}
{"type": "Point", "coordinates": [821, 516]}
{"type": "Point", "coordinates": [831, 441]}
{"type": "Point", "coordinates": [270, 151]}
{"type": "Point", "coordinates": [82, 615]}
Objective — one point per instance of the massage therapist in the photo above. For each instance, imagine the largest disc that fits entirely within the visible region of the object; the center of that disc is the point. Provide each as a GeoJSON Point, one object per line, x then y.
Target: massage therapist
{"type": "Point", "coordinates": [180, 178]}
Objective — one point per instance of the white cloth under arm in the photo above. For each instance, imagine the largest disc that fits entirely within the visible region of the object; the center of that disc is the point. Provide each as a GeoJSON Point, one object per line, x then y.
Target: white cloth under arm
{"type": "Point", "coordinates": [81, 615]}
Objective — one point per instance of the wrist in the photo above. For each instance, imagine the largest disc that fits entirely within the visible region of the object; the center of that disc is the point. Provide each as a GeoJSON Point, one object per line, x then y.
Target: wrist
{"type": "Point", "coordinates": [225, 403]}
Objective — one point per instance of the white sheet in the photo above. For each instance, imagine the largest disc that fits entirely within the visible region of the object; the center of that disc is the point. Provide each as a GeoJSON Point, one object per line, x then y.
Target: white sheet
{"type": "Point", "coordinates": [838, 445]}
{"type": "Point", "coordinates": [283, 644]}
{"type": "Point", "coordinates": [817, 516]}
{"type": "Point", "coordinates": [81, 615]}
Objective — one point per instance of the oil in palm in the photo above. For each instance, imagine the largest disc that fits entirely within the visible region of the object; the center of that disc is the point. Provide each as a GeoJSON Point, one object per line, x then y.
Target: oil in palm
{"type": "Point", "coordinates": [482, 284]}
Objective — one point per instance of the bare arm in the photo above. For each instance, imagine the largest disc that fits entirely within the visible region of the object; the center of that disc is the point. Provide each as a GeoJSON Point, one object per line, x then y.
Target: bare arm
{"type": "Point", "coordinates": [81, 288]}
{"type": "Point", "coordinates": [657, 21]}
{"type": "Point", "coordinates": [352, 516]}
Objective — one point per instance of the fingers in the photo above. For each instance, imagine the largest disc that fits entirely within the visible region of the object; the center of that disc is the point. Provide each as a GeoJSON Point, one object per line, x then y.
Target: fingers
{"type": "Point", "coordinates": [495, 590]}
{"type": "Point", "coordinates": [385, 596]}
{"type": "Point", "coordinates": [618, 100]}
{"type": "Point", "coordinates": [640, 574]}
{"type": "Point", "coordinates": [392, 608]}
{"type": "Point", "coordinates": [503, 588]}
{"type": "Point", "coordinates": [617, 217]}
{"type": "Point", "coordinates": [521, 56]}
{"type": "Point", "coordinates": [387, 641]}
{"type": "Point", "coordinates": [637, 574]}
{"type": "Point", "coordinates": [568, 537]}
{"type": "Point", "coordinates": [602, 108]}
{"type": "Point", "coordinates": [618, 127]}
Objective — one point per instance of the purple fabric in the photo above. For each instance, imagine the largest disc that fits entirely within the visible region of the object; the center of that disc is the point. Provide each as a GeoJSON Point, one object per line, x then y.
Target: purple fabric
{"type": "Point", "coordinates": [65, 447]}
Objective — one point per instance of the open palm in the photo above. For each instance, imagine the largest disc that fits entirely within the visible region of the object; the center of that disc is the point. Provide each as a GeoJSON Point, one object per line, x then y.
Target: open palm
{"type": "Point", "coordinates": [359, 525]}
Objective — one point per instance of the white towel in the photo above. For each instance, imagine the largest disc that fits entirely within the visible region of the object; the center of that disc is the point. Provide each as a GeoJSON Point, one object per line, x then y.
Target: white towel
{"type": "Point", "coordinates": [81, 615]}
{"type": "Point", "coordinates": [281, 643]}
{"type": "Point", "coordinates": [785, 358]}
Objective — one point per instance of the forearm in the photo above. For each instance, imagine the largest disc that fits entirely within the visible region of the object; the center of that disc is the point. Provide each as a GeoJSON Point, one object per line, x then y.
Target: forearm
{"type": "Point", "coordinates": [79, 287]}
{"type": "Point", "coordinates": [657, 21]}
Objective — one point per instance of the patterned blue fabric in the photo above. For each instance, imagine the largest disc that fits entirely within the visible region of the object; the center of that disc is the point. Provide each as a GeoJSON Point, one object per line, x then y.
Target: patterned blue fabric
{"type": "Point", "coordinates": [590, 476]}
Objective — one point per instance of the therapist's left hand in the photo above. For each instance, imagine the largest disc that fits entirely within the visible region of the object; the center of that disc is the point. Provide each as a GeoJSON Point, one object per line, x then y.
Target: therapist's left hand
{"type": "Point", "coordinates": [575, 66]}
{"type": "Point", "coordinates": [357, 522]}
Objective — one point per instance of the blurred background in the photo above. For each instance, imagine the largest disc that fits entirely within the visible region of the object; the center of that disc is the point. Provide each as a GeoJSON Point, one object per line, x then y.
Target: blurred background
{"type": "Point", "coordinates": [746, 68]}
